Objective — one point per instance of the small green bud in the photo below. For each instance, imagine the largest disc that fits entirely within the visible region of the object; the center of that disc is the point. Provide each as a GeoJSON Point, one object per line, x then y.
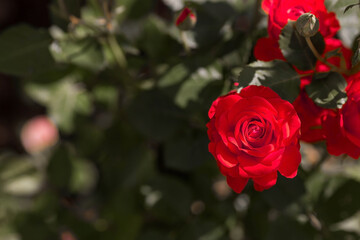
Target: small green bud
{"type": "Point", "coordinates": [307, 25]}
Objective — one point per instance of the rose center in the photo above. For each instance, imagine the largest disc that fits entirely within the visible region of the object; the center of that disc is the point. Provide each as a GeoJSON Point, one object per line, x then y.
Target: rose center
{"type": "Point", "coordinates": [254, 130]}
{"type": "Point", "coordinates": [295, 12]}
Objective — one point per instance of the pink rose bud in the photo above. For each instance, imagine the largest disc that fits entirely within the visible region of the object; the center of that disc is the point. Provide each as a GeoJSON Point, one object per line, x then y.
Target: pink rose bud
{"type": "Point", "coordinates": [38, 134]}
{"type": "Point", "coordinates": [186, 19]}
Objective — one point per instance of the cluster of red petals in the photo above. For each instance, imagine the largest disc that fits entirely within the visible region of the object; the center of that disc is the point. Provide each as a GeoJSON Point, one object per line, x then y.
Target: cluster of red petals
{"type": "Point", "coordinates": [280, 12]}
{"type": "Point", "coordinates": [253, 135]}
{"type": "Point", "coordinates": [185, 13]}
{"type": "Point", "coordinates": [342, 127]}
{"type": "Point", "coordinates": [337, 127]}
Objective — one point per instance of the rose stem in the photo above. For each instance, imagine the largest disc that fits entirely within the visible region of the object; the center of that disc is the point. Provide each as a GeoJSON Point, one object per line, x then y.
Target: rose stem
{"type": "Point", "coordinates": [183, 39]}
{"type": "Point", "coordinates": [320, 58]}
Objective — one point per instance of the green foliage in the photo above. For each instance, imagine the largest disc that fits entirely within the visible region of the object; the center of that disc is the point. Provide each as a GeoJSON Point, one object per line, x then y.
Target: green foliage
{"type": "Point", "coordinates": [327, 90]}
{"type": "Point", "coordinates": [356, 52]}
{"type": "Point", "coordinates": [295, 49]}
{"type": "Point", "coordinates": [277, 74]}
{"type": "Point", "coordinates": [25, 51]}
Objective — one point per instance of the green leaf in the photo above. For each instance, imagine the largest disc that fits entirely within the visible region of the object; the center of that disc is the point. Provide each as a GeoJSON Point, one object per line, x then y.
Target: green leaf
{"type": "Point", "coordinates": [174, 75]}
{"type": "Point", "coordinates": [63, 99]}
{"type": "Point", "coordinates": [334, 53]}
{"type": "Point", "coordinates": [356, 52]}
{"type": "Point", "coordinates": [24, 51]}
{"type": "Point", "coordinates": [19, 176]}
{"type": "Point", "coordinates": [351, 6]}
{"type": "Point", "coordinates": [277, 74]}
{"type": "Point", "coordinates": [191, 87]}
{"type": "Point", "coordinates": [327, 90]}
{"type": "Point", "coordinates": [295, 49]}
{"type": "Point", "coordinates": [86, 53]}
{"type": "Point", "coordinates": [185, 84]}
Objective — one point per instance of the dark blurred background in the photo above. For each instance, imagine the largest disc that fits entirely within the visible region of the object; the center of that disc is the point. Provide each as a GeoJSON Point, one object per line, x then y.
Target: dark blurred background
{"type": "Point", "coordinates": [103, 129]}
{"type": "Point", "coordinates": [12, 109]}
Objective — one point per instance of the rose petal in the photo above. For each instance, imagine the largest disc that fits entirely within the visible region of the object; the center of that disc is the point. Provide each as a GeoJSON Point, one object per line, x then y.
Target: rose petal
{"type": "Point", "coordinates": [266, 5]}
{"type": "Point", "coordinates": [224, 156]}
{"type": "Point", "coordinates": [267, 49]}
{"type": "Point", "coordinates": [256, 167]}
{"type": "Point", "coordinates": [265, 182]}
{"type": "Point", "coordinates": [290, 162]}
{"type": "Point", "coordinates": [291, 123]}
{"type": "Point", "coordinates": [237, 183]}
{"type": "Point", "coordinates": [350, 116]}
{"type": "Point", "coordinates": [336, 141]}
{"type": "Point", "coordinates": [258, 91]}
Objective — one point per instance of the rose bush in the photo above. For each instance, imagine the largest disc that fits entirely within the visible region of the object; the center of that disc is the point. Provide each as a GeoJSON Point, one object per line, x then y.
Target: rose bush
{"type": "Point", "coordinates": [280, 12]}
{"type": "Point", "coordinates": [253, 134]}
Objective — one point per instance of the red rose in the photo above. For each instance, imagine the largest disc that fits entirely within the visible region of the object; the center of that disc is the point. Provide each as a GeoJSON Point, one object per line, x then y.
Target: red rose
{"type": "Point", "coordinates": [267, 49]}
{"type": "Point", "coordinates": [281, 11]}
{"type": "Point", "coordinates": [341, 127]}
{"type": "Point", "coordinates": [253, 134]}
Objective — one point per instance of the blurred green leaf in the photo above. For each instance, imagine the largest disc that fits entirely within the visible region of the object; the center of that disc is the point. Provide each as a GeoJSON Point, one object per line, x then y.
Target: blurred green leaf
{"type": "Point", "coordinates": [356, 51]}
{"type": "Point", "coordinates": [20, 177]}
{"type": "Point", "coordinates": [344, 199]}
{"type": "Point", "coordinates": [154, 115]}
{"type": "Point", "coordinates": [60, 168]}
{"type": "Point", "coordinates": [106, 95]}
{"type": "Point", "coordinates": [285, 228]}
{"type": "Point", "coordinates": [24, 51]}
{"type": "Point", "coordinates": [277, 74]}
{"type": "Point", "coordinates": [191, 87]}
{"type": "Point", "coordinates": [168, 195]}
{"type": "Point", "coordinates": [64, 99]}
{"type": "Point", "coordinates": [295, 49]}
{"type": "Point", "coordinates": [32, 226]}
{"type": "Point", "coordinates": [185, 153]}
{"type": "Point", "coordinates": [154, 36]}
{"type": "Point", "coordinates": [85, 53]}
{"type": "Point", "coordinates": [84, 176]}
{"type": "Point", "coordinates": [351, 6]}
{"type": "Point", "coordinates": [203, 230]}
{"type": "Point", "coordinates": [153, 235]}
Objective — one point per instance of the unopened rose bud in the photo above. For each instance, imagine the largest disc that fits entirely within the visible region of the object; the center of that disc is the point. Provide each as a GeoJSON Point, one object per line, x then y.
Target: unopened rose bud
{"type": "Point", "coordinates": [186, 19]}
{"type": "Point", "coordinates": [307, 25]}
{"type": "Point", "coordinates": [38, 134]}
